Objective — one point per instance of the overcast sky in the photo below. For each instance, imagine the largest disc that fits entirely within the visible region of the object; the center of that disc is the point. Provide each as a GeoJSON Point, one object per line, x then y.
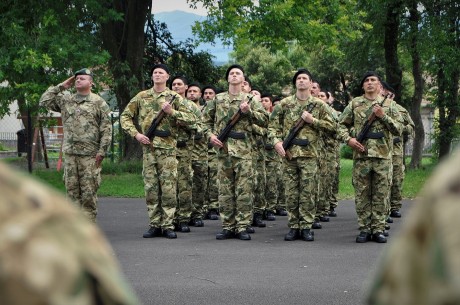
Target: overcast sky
{"type": "Point", "coordinates": [159, 6]}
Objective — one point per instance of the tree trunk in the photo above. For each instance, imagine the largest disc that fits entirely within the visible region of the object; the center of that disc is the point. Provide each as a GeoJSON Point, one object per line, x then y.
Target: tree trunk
{"type": "Point", "coordinates": [392, 67]}
{"type": "Point", "coordinates": [414, 109]}
{"type": "Point", "coordinates": [125, 40]}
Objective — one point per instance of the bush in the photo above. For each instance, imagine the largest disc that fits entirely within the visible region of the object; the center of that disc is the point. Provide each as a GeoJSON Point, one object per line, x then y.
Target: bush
{"type": "Point", "coordinates": [346, 152]}
{"type": "Point", "coordinates": [114, 168]}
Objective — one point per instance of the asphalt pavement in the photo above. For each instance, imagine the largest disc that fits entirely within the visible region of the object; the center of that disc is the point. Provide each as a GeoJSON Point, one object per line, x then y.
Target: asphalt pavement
{"type": "Point", "coordinates": [197, 269]}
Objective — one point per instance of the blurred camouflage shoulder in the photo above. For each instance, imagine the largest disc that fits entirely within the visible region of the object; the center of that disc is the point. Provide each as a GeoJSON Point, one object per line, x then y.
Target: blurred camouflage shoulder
{"type": "Point", "coordinates": [49, 252]}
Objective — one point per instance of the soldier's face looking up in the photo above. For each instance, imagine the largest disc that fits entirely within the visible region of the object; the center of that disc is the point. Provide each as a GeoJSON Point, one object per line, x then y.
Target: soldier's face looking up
{"type": "Point", "coordinates": [322, 96]}
{"type": "Point", "coordinates": [245, 87]}
{"type": "Point", "coordinates": [266, 103]}
{"type": "Point", "coordinates": [371, 84]}
{"type": "Point", "coordinates": [235, 77]}
{"type": "Point", "coordinates": [159, 76]}
{"type": "Point", "coordinates": [303, 82]}
{"type": "Point", "coordinates": [179, 86]}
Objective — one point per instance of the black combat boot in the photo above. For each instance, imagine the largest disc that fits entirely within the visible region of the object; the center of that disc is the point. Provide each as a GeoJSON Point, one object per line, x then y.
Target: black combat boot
{"type": "Point", "coordinates": [307, 235]}
{"type": "Point", "coordinates": [389, 219]}
{"type": "Point", "coordinates": [293, 234]}
{"type": "Point", "coordinates": [281, 212]}
{"type": "Point", "coordinates": [213, 215]}
{"type": "Point", "coordinates": [183, 227]}
{"type": "Point", "coordinates": [332, 213]}
{"type": "Point", "coordinates": [224, 234]}
{"type": "Point", "coordinates": [316, 224]}
{"type": "Point", "coordinates": [324, 219]}
{"type": "Point", "coordinates": [250, 230]}
{"type": "Point", "coordinates": [168, 233]}
{"type": "Point", "coordinates": [270, 216]}
{"type": "Point", "coordinates": [257, 221]}
{"type": "Point", "coordinates": [378, 237]}
{"type": "Point", "coordinates": [363, 237]}
{"type": "Point", "coordinates": [395, 214]}
{"type": "Point", "coordinates": [243, 235]}
{"type": "Point", "coordinates": [152, 232]}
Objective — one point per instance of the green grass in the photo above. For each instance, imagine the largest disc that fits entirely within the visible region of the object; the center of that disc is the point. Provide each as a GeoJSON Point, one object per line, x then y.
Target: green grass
{"type": "Point", "coordinates": [413, 182]}
{"type": "Point", "coordinates": [125, 179]}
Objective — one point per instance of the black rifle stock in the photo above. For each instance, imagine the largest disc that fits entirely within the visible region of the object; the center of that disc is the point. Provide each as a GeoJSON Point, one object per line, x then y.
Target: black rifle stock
{"type": "Point", "coordinates": [367, 126]}
{"type": "Point", "coordinates": [157, 120]}
{"type": "Point", "coordinates": [223, 135]}
{"type": "Point", "coordinates": [295, 131]}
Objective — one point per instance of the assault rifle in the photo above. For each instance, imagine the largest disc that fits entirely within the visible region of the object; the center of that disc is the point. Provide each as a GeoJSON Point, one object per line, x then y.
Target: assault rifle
{"type": "Point", "coordinates": [223, 135]}
{"type": "Point", "coordinates": [295, 131]}
{"type": "Point", "coordinates": [362, 136]}
{"type": "Point", "coordinates": [157, 120]}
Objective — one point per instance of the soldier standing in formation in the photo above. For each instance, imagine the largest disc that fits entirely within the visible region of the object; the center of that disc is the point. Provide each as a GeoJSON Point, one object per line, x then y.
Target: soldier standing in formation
{"type": "Point", "coordinates": [372, 162]}
{"type": "Point", "coordinates": [301, 165]}
{"type": "Point", "coordinates": [87, 136]}
{"type": "Point", "coordinates": [235, 154]}
{"type": "Point", "coordinates": [159, 154]}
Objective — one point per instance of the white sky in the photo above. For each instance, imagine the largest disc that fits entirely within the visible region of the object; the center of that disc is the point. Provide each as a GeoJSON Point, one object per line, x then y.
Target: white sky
{"type": "Point", "coordinates": [159, 6]}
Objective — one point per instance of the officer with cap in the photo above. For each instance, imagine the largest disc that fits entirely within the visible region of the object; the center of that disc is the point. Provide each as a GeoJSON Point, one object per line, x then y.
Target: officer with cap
{"type": "Point", "coordinates": [87, 136]}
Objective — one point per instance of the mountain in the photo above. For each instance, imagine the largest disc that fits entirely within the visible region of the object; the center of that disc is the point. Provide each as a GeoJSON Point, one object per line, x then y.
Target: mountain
{"type": "Point", "coordinates": [180, 26]}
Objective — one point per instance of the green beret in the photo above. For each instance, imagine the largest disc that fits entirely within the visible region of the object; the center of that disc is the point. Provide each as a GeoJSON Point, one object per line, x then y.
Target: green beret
{"type": "Point", "coordinates": [84, 71]}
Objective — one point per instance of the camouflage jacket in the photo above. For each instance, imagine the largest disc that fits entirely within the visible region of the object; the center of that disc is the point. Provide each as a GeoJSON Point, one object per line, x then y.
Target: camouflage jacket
{"type": "Point", "coordinates": [200, 142]}
{"type": "Point", "coordinates": [219, 112]}
{"type": "Point", "coordinates": [145, 106]}
{"type": "Point", "coordinates": [288, 112]}
{"type": "Point", "coordinates": [406, 130]}
{"type": "Point", "coordinates": [86, 120]}
{"type": "Point", "coordinates": [50, 253]}
{"type": "Point", "coordinates": [355, 115]}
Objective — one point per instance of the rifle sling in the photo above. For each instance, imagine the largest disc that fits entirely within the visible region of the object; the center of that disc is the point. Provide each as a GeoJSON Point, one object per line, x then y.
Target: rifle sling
{"type": "Point", "coordinates": [375, 135]}
{"type": "Point", "coordinates": [300, 142]}
{"type": "Point", "coordinates": [162, 133]}
{"type": "Point", "coordinates": [237, 135]}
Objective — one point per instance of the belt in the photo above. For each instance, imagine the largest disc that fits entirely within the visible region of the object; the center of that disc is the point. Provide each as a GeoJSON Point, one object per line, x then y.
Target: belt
{"type": "Point", "coordinates": [300, 142]}
{"type": "Point", "coordinates": [396, 140]}
{"type": "Point", "coordinates": [237, 135]}
{"type": "Point", "coordinates": [375, 135]}
{"type": "Point", "coordinates": [162, 133]}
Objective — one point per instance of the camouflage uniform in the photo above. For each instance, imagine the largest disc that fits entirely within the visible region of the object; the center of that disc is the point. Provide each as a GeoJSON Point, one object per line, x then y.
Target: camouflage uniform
{"type": "Point", "coordinates": [200, 168]}
{"type": "Point", "coordinates": [235, 171]}
{"type": "Point", "coordinates": [49, 253]}
{"type": "Point", "coordinates": [159, 160]}
{"type": "Point", "coordinates": [300, 173]}
{"type": "Point", "coordinates": [212, 193]}
{"type": "Point", "coordinates": [371, 171]}
{"type": "Point", "coordinates": [273, 170]}
{"type": "Point", "coordinates": [398, 155]}
{"type": "Point", "coordinates": [87, 132]}
{"type": "Point", "coordinates": [260, 180]}
{"type": "Point", "coordinates": [422, 265]}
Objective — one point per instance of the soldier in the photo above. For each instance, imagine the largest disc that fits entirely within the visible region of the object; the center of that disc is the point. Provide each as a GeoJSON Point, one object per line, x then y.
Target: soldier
{"type": "Point", "coordinates": [159, 154]}
{"type": "Point", "coordinates": [199, 154]}
{"type": "Point", "coordinates": [235, 154]}
{"type": "Point", "coordinates": [422, 264]}
{"type": "Point", "coordinates": [50, 253]}
{"type": "Point", "coordinates": [315, 88]}
{"type": "Point", "coordinates": [407, 129]}
{"type": "Point", "coordinates": [212, 200]}
{"type": "Point", "coordinates": [301, 165]}
{"type": "Point", "coordinates": [372, 162]}
{"type": "Point", "coordinates": [87, 136]}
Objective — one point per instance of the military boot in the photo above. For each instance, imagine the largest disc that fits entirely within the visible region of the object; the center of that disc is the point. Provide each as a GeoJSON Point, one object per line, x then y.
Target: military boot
{"type": "Point", "coordinates": [379, 238]}
{"type": "Point", "coordinates": [332, 213]}
{"type": "Point", "coordinates": [316, 224]}
{"type": "Point", "coordinates": [152, 232]}
{"type": "Point", "coordinates": [293, 234]}
{"type": "Point", "coordinates": [307, 235]}
{"type": "Point", "coordinates": [257, 221]}
{"type": "Point", "coordinates": [363, 237]}
{"type": "Point", "coordinates": [270, 216]}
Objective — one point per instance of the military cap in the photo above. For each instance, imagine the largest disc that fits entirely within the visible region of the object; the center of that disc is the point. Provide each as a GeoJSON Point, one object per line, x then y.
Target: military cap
{"type": "Point", "coordinates": [300, 71]}
{"type": "Point", "coordinates": [84, 71]}
{"type": "Point", "coordinates": [161, 66]}
{"type": "Point", "coordinates": [387, 87]}
{"type": "Point", "coordinates": [181, 77]}
{"type": "Point", "coordinates": [368, 74]}
{"type": "Point", "coordinates": [235, 66]}
{"type": "Point", "coordinates": [210, 87]}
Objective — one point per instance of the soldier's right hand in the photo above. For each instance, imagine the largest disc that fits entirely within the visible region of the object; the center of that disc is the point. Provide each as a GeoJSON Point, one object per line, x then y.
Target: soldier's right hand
{"type": "Point", "coordinates": [215, 141]}
{"type": "Point", "coordinates": [279, 149]}
{"type": "Point", "coordinates": [142, 139]}
{"type": "Point", "coordinates": [68, 82]}
{"type": "Point", "coordinates": [353, 143]}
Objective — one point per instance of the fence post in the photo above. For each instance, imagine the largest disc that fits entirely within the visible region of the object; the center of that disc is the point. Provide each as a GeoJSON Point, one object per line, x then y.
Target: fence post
{"type": "Point", "coordinates": [112, 148]}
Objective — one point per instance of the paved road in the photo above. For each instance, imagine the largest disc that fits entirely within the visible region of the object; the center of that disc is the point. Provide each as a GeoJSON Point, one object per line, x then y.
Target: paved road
{"type": "Point", "coordinates": [196, 268]}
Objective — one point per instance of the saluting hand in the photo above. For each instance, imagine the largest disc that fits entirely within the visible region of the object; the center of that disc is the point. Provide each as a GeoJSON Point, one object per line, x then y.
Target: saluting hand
{"type": "Point", "coordinates": [68, 82]}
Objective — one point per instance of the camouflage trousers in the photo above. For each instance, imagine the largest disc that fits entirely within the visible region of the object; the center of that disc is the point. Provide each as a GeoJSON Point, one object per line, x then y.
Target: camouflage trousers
{"type": "Point", "coordinates": [273, 170]}
{"type": "Point", "coordinates": [82, 180]}
{"type": "Point", "coordinates": [160, 182]}
{"type": "Point", "coordinates": [281, 193]}
{"type": "Point", "coordinates": [397, 183]}
{"type": "Point", "coordinates": [212, 193]}
{"type": "Point", "coordinates": [327, 175]}
{"type": "Point", "coordinates": [235, 192]}
{"type": "Point", "coordinates": [333, 201]}
{"type": "Point", "coordinates": [200, 184]}
{"type": "Point", "coordinates": [371, 180]}
{"type": "Point", "coordinates": [260, 181]}
{"type": "Point", "coordinates": [184, 206]}
{"type": "Point", "coordinates": [301, 187]}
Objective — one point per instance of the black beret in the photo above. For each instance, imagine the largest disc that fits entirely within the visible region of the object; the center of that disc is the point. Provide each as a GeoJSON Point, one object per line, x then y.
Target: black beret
{"type": "Point", "coordinates": [84, 71]}
{"type": "Point", "coordinates": [194, 85]}
{"type": "Point", "coordinates": [210, 87]}
{"type": "Point", "coordinates": [387, 87]}
{"type": "Point", "coordinates": [233, 67]}
{"type": "Point", "coordinates": [300, 71]}
{"type": "Point", "coordinates": [161, 66]}
{"type": "Point", "coordinates": [368, 74]}
{"type": "Point", "coordinates": [181, 77]}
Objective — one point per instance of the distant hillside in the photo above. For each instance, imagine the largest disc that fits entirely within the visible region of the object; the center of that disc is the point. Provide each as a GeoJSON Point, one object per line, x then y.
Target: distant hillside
{"type": "Point", "coordinates": [180, 25]}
